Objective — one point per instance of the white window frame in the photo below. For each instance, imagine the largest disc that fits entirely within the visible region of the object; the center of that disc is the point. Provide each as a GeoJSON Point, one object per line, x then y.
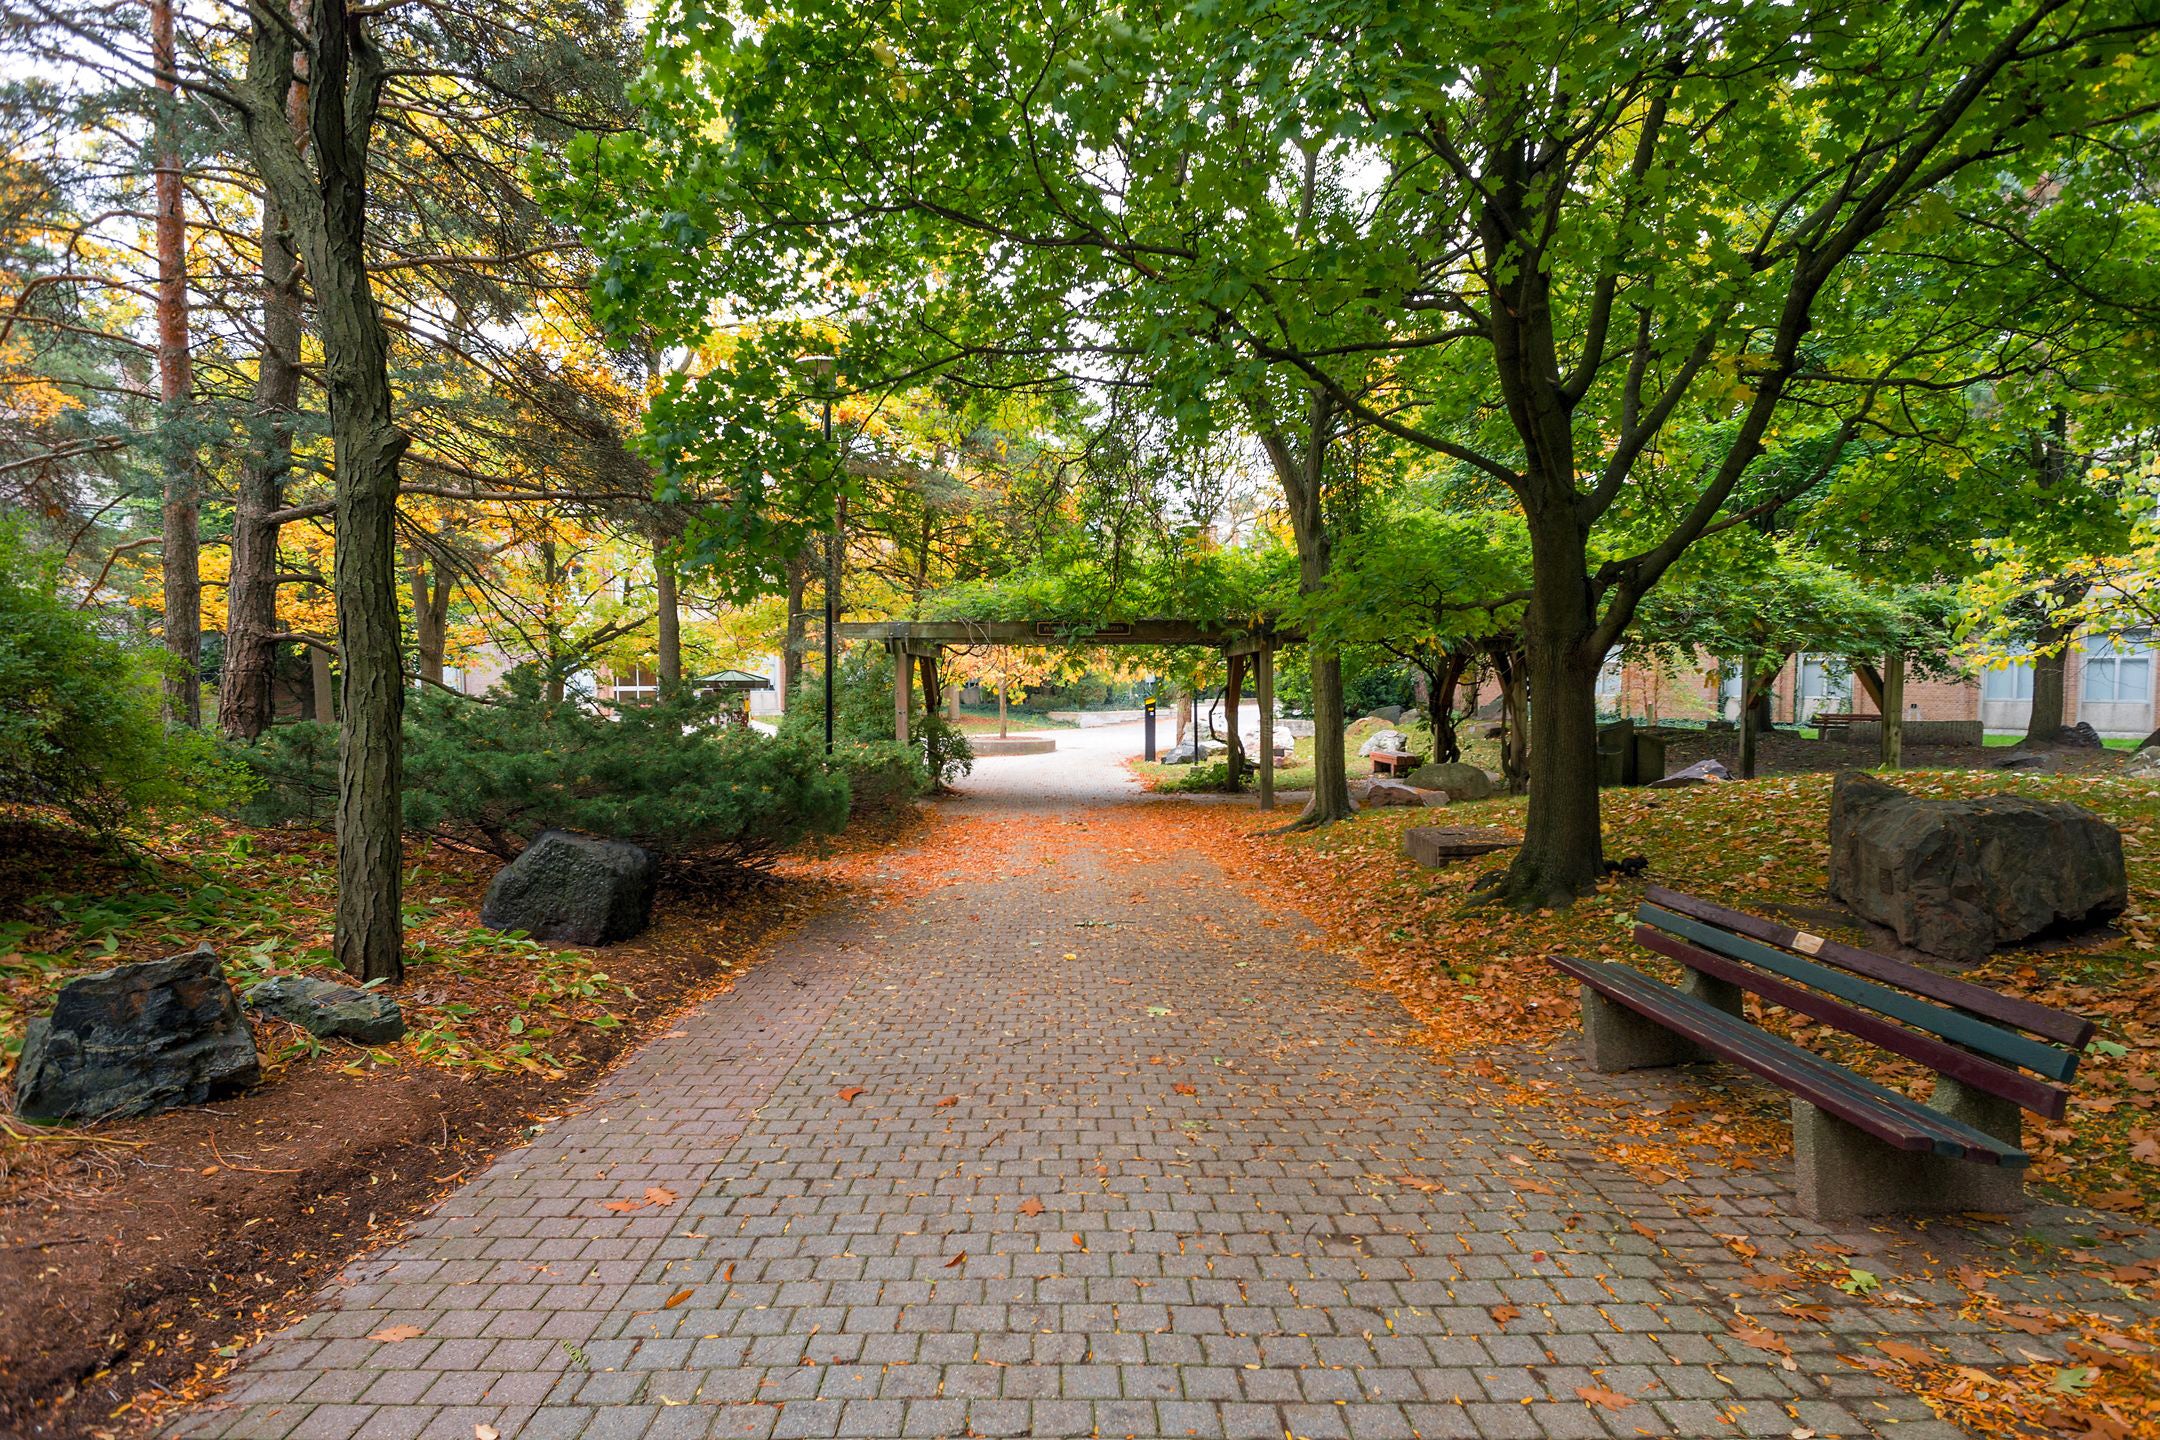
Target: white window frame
{"type": "Point", "coordinates": [2108, 658]}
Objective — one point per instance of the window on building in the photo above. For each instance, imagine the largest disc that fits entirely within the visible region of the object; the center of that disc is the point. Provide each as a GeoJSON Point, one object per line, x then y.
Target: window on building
{"type": "Point", "coordinates": [637, 684]}
{"type": "Point", "coordinates": [2118, 672]}
{"type": "Point", "coordinates": [2013, 682]}
{"type": "Point", "coordinates": [1608, 680]}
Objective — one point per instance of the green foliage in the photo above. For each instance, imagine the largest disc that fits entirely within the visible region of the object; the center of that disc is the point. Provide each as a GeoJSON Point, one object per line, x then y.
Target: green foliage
{"type": "Point", "coordinates": [863, 728]}
{"type": "Point", "coordinates": [80, 728]}
{"type": "Point", "coordinates": [491, 774]}
{"type": "Point", "coordinates": [1376, 686]}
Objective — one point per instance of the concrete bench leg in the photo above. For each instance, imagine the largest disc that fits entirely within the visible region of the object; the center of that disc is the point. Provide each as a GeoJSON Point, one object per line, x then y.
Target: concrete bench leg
{"type": "Point", "coordinates": [1619, 1039]}
{"type": "Point", "coordinates": [1844, 1172]}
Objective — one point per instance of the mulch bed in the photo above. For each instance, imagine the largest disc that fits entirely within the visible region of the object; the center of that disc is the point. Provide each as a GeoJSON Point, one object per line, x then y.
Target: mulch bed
{"type": "Point", "coordinates": [138, 1257]}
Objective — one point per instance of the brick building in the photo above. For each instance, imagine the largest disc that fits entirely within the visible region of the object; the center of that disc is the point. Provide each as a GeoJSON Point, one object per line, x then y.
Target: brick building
{"type": "Point", "coordinates": [2109, 684]}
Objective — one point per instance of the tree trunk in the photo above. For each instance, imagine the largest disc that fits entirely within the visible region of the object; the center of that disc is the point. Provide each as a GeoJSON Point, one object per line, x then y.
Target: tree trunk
{"type": "Point", "coordinates": [791, 648]}
{"type": "Point", "coordinates": [1893, 710]}
{"type": "Point", "coordinates": [2050, 660]}
{"type": "Point", "coordinates": [1001, 707]}
{"type": "Point", "coordinates": [1301, 469]}
{"type": "Point", "coordinates": [670, 616]}
{"type": "Point", "coordinates": [1233, 743]}
{"type": "Point", "coordinates": [181, 539]}
{"type": "Point", "coordinates": [321, 686]}
{"type": "Point", "coordinates": [430, 581]}
{"type": "Point", "coordinates": [1749, 715]}
{"type": "Point", "coordinates": [1562, 855]}
{"type": "Point", "coordinates": [245, 707]}
{"type": "Point", "coordinates": [328, 208]}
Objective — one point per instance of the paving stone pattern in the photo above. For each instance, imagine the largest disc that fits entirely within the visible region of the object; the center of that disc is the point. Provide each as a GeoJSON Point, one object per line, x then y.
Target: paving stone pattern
{"type": "Point", "coordinates": [1192, 1182]}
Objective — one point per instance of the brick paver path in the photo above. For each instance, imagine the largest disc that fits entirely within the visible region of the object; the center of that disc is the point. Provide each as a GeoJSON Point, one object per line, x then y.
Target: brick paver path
{"type": "Point", "coordinates": [1087, 1145]}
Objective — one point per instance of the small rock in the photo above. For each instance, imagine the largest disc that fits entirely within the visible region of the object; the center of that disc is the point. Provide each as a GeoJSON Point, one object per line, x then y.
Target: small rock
{"type": "Point", "coordinates": [2080, 736]}
{"type": "Point", "coordinates": [326, 1010]}
{"type": "Point", "coordinates": [1384, 793]}
{"type": "Point", "coordinates": [573, 888]}
{"type": "Point", "coordinates": [1388, 713]}
{"type": "Point", "coordinates": [2144, 765]}
{"type": "Point", "coordinates": [2019, 758]}
{"type": "Point", "coordinates": [1702, 772]}
{"type": "Point", "coordinates": [134, 1040]}
{"type": "Point", "coordinates": [1462, 781]}
{"type": "Point", "coordinates": [1384, 740]}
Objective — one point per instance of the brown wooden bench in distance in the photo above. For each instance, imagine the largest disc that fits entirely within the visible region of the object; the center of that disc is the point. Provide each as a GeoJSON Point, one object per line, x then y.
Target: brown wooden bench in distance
{"type": "Point", "coordinates": [1395, 762]}
{"type": "Point", "coordinates": [1861, 1148]}
{"type": "Point", "coordinates": [1838, 721]}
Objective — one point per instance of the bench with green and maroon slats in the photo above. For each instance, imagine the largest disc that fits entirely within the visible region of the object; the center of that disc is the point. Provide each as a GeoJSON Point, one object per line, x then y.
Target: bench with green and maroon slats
{"type": "Point", "coordinates": [1860, 1148]}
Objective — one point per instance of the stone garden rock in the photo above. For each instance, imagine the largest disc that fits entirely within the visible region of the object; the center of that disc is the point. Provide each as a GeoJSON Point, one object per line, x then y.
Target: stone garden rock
{"type": "Point", "coordinates": [1960, 878]}
{"type": "Point", "coordinates": [1389, 713]}
{"type": "Point", "coordinates": [134, 1040]}
{"type": "Point", "coordinates": [1188, 753]}
{"type": "Point", "coordinates": [1702, 772]}
{"type": "Point", "coordinates": [1461, 780]}
{"type": "Point", "coordinates": [1435, 845]}
{"type": "Point", "coordinates": [1384, 740]}
{"type": "Point", "coordinates": [2080, 736]}
{"type": "Point", "coordinates": [1384, 793]}
{"type": "Point", "coordinates": [573, 888]}
{"type": "Point", "coordinates": [2150, 742]}
{"type": "Point", "coordinates": [328, 1010]}
{"type": "Point", "coordinates": [2037, 761]}
{"type": "Point", "coordinates": [2144, 765]}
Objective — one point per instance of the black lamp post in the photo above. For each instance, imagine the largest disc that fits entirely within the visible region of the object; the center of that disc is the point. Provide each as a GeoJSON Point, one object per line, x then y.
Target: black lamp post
{"type": "Point", "coordinates": [820, 369]}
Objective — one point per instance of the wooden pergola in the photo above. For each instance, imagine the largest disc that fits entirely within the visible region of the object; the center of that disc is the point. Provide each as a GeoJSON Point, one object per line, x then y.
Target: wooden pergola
{"type": "Point", "coordinates": [923, 640]}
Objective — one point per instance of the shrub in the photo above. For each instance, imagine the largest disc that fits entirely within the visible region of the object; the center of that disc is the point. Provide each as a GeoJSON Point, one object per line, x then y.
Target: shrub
{"type": "Point", "coordinates": [490, 774]}
{"type": "Point", "coordinates": [80, 728]}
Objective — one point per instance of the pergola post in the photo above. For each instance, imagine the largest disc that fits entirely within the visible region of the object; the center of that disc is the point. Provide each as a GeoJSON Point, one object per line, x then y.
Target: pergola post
{"type": "Point", "coordinates": [900, 688]}
{"type": "Point", "coordinates": [1264, 692]}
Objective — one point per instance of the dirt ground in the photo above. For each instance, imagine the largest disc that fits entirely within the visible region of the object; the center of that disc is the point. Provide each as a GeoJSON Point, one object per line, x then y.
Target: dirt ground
{"type": "Point", "coordinates": [137, 1257]}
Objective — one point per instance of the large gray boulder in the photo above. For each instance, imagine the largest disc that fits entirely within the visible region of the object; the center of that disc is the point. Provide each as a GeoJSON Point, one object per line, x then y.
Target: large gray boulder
{"type": "Point", "coordinates": [574, 888]}
{"type": "Point", "coordinates": [1461, 781]}
{"type": "Point", "coordinates": [134, 1040]}
{"type": "Point", "coordinates": [1393, 740]}
{"type": "Point", "coordinates": [328, 1010]}
{"type": "Point", "coordinates": [1960, 878]}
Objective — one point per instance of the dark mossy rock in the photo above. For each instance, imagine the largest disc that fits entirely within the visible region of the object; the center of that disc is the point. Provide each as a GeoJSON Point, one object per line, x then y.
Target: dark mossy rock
{"type": "Point", "coordinates": [573, 888]}
{"type": "Point", "coordinates": [134, 1040]}
{"type": "Point", "coordinates": [328, 1010]}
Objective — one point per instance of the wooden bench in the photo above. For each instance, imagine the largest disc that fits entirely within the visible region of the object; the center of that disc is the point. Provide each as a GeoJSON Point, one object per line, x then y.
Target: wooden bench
{"type": "Point", "coordinates": [1395, 762]}
{"type": "Point", "coordinates": [1861, 1148]}
{"type": "Point", "coordinates": [1835, 725]}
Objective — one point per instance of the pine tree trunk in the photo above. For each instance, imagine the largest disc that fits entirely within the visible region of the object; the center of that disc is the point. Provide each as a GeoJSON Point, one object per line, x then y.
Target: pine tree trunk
{"type": "Point", "coordinates": [322, 687]}
{"type": "Point", "coordinates": [245, 706]}
{"type": "Point", "coordinates": [328, 209]}
{"type": "Point", "coordinates": [181, 526]}
{"type": "Point", "coordinates": [670, 617]}
{"type": "Point", "coordinates": [431, 617]}
{"type": "Point", "coordinates": [1562, 855]}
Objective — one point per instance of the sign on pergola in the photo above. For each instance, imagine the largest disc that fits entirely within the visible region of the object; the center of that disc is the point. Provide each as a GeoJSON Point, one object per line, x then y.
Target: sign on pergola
{"type": "Point", "coordinates": [924, 639]}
